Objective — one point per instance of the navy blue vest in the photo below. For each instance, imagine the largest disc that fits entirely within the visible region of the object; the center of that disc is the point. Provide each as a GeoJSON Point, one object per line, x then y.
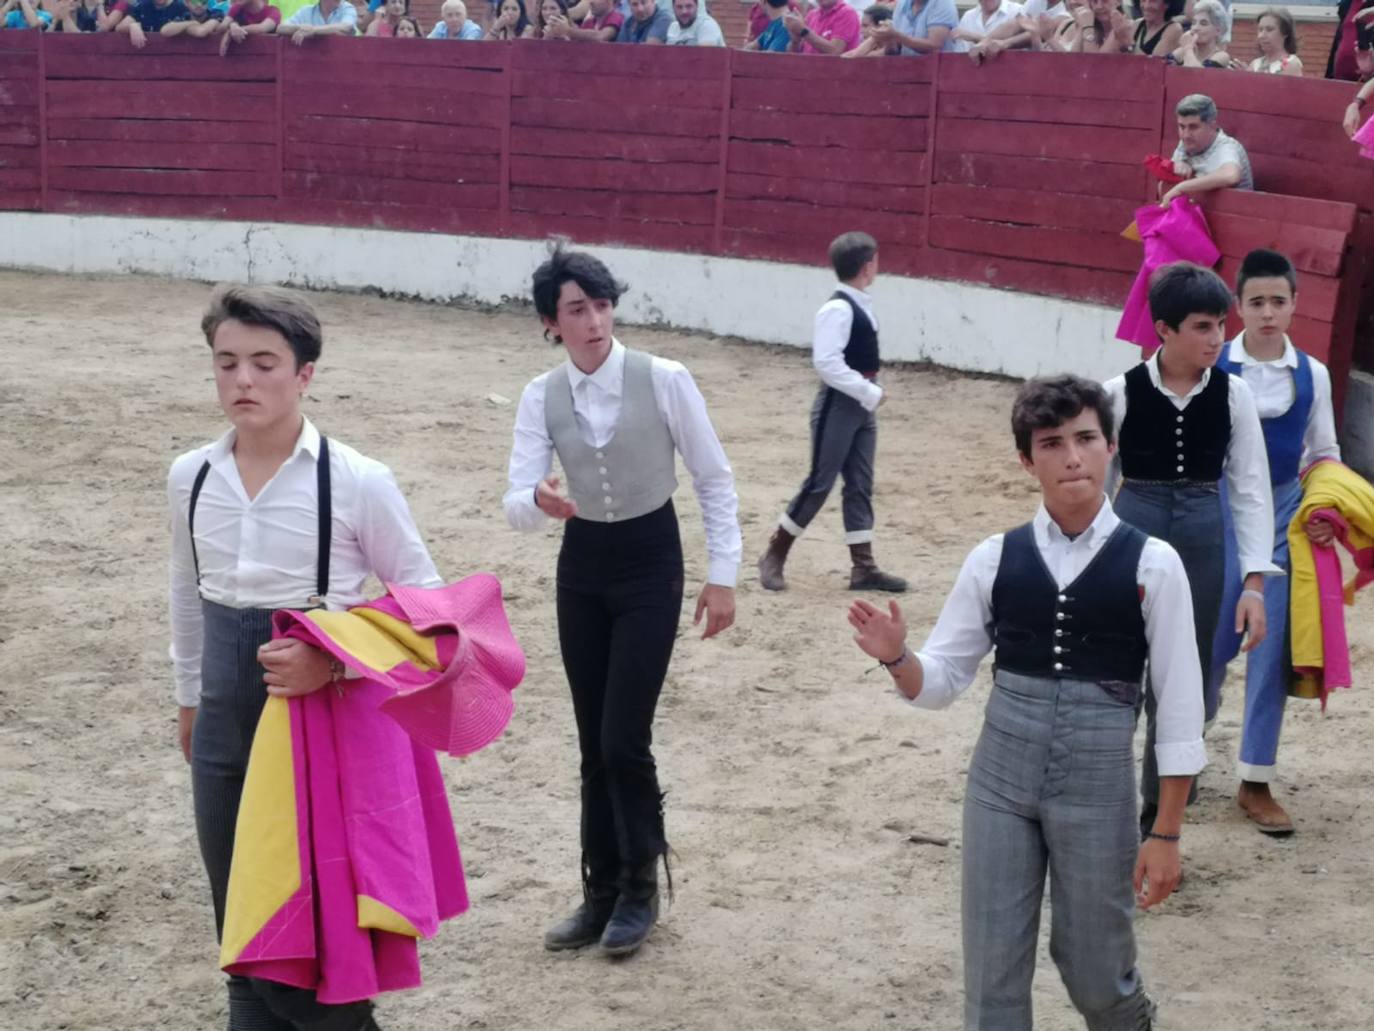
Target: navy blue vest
{"type": "Point", "coordinates": [861, 353]}
{"type": "Point", "coordinates": [1093, 629]}
{"type": "Point", "coordinates": [1158, 442]}
{"type": "Point", "coordinates": [1283, 433]}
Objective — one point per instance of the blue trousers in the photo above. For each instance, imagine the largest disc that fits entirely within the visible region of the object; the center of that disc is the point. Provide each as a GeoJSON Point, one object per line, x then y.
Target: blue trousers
{"type": "Point", "coordinates": [1051, 790]}
{"type": "Point", "coordinates": [1267, 668]}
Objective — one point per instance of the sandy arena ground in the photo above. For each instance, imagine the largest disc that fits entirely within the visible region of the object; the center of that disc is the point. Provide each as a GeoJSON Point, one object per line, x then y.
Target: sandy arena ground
{"type": "Point", "coordinates": [795, 780]}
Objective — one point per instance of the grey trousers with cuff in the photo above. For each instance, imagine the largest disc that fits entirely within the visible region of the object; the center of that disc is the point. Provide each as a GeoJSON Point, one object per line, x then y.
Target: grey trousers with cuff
{"type": "Point", "coordinates": [1052, 790]}
{"type": "Point", "coordinates": [844, 438]}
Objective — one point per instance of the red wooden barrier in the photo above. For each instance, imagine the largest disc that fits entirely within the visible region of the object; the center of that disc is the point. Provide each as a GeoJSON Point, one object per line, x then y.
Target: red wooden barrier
{"type": "Point", "coordinates": [1019, 174]}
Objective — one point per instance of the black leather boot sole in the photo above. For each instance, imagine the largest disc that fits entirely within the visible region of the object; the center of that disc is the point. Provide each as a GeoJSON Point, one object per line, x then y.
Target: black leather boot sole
{"type": "Point", "coordinates": [583, 928]}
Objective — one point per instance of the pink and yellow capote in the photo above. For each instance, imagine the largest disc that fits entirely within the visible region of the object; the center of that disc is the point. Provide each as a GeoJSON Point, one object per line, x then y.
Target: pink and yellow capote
{"type": "Point", "coordinates": [345, 851]}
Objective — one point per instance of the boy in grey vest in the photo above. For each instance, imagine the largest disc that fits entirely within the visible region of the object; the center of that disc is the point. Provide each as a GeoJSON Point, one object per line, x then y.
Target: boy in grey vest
{"type": "Point", "coordinates": [617, 419]}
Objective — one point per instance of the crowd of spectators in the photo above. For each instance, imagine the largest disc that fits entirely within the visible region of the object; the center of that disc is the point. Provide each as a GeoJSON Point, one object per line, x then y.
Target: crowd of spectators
{"type": "Point", "coordinates": [1194, 33]}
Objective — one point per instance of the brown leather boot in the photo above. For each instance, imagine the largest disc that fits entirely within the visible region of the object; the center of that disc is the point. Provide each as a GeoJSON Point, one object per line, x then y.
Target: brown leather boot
{"type": "Point", "coordinates": [770, 565]}
{"type": "Point", "coordinates": [865, 574]}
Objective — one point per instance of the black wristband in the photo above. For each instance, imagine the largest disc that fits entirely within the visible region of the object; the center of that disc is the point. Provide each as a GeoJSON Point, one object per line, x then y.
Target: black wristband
{"type": "Point", "coordinates": [1162, 837]}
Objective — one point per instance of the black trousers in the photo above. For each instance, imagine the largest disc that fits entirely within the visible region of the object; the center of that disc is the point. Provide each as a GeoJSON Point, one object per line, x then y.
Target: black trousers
{"type": "Point", "coordinates": [619, 602]}
{"type": "Point", "coordinates": [231, 700]}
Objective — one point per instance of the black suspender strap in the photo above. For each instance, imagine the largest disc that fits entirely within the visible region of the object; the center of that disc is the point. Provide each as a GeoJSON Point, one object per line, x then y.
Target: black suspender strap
{"type": "Point", "coordinates": [325, 532]}
{"type": "Point", "coordinates": [191, 516]}
{"type": "Point", "coordinates": [323, 499]}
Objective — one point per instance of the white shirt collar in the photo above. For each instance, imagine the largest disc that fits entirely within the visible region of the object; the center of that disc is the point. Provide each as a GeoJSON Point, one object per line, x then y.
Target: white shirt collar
{"type": "Point", "coordinates": [1152, 367]}
{"type": "Point", "coordinates": [609, 376]}
{"type": "Point", "coordinates": [1236, 352]}
{"type": "Point", "coordinates": [1048, 533]}
{"type": "Point", "coordinates": [308, 441]}
{"type": "Point", "coordinates": [855, 293]}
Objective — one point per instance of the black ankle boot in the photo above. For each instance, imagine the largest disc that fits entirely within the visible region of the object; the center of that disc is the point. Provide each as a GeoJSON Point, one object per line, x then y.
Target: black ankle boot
{"type": "Point", "coordinates": [635, 913]}
{"type": "Point", "coordinates": [587, 921]}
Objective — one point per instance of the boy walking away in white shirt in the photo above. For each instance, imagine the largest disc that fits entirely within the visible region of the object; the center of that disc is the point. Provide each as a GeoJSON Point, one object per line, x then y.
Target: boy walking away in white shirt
{"type": "Point", "coordinates": [844, 426]}
{"type": "Point", "coordinates": [1072, 605]}
{"type": "Point", "coordinates": [270, 516]}
{"type": "Point", "coordinates": [1293, 397]}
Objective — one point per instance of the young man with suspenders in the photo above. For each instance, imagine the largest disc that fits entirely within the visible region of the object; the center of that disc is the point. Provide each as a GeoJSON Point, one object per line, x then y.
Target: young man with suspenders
{"type": "Point", "coordinates": [617, 419]}
{"type": "Point", "coordinates": [270, 516]}
{"type": "Point", "coordinates": [1072, 604]}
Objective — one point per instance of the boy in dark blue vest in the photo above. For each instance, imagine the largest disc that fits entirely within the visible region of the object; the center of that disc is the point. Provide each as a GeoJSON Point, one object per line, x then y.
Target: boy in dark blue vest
{"type": "Point", "coordinates": [1186, 426]}
{"type": "Point", "coordinates": [844, 426]}
{"type": "Point", "coordinates": [1293, 396]}
{"type": "Point", "coordinates": [1072, 604]}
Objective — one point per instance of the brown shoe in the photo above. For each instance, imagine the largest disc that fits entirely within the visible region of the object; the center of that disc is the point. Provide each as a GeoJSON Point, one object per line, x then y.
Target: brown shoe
{"type": "Point", "coordinates": [865, 574]}
{"type": "Point", "coordinates": [770, 565]}
{"type": "Point", "coordinates": [1263, 810]}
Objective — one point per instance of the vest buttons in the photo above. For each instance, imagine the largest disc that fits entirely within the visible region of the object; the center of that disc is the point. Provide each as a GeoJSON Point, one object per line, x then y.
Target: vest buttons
{"type": "Point", "coordinates": [1180, 416]}
{"type": "Point", "coordinates": [1058, 666]}
{"type": "Point", "coordinates": [1059, 615]}
{"type": "Point", "coordinates": [1063, 598]}
{"type": "Point", "coordinates": [609, 499]}
{"type": "Point", "coordinates": [602, 470]}
{"type": "Point", "coordinates": [610, 516]}
{"type": "Point", "coordinates": [602, 454]}
{"type": "Point", "coordinates": [1058, 650]}
{"type": "Point", "coordinates": [1058, 633]}
{"type": "Point", "coordinates": [605, 486]}
{"type": "Point", "coordinates": [1180, 468]}
{"type": "Point", "coordinates": [1179, 431]}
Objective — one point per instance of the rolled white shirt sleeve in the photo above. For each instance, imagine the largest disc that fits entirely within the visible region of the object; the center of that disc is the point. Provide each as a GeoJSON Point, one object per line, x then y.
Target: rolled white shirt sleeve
{"type": "Point", "coordinates": [182, 590]}
{"type": "Point", "coordinates": [684, 410]}
{"type": "Point", "coordinates": [831, 337]}
{"type": "Point", "coordinates": [1319, 437]}
{"type": "Point", "coordinates": [531, 459]}
{"type": "Point", "coordinates": [1175, 676]}
{"type": "Point", "coordinates": [388, 536]}
{"type": "Point", "coordinates": [1247, 484]}
{"type": "Point", "coordinates": [963, 634]}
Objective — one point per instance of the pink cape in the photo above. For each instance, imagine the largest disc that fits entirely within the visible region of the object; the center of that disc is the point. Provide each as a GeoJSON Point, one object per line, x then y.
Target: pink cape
{"type": "Point", "coordinates": [1176, 233]}
{"type": "Point", "coordinates": [1364, 136]}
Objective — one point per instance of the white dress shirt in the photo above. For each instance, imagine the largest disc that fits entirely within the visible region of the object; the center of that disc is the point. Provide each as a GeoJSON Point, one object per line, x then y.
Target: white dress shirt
{"type": "Point", "coordinates": [1275, 391]}
{"type": "Point", "coordinates": [1246, 469]}
{"type": "Point", "coordinates": [974, 21]}
{"type": "Point", "coordinates": [833, 323]}
{"type": "Point", "coordinates": [596, 405]}
{"type": "Point", "coordinates": [262, 553]}
{"type": "Point", "coordinates": [963, 634]}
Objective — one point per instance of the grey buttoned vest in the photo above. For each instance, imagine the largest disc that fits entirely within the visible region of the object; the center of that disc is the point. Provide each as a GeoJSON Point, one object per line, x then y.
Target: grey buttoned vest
{"type": "Point", "coordinates": [635, 473]}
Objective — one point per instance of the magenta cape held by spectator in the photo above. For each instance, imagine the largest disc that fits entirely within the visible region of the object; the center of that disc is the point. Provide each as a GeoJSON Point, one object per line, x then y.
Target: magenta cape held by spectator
{"type": "Point", "coordinates": [1176, 233]}
{"type": "Point", "coordinates": [1365, 138]}
{"type": "Point", "coordinates": [345, 852]}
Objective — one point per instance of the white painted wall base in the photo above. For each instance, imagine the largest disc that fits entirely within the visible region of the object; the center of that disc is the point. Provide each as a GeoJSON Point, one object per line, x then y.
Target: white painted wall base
{"type": "Point", "coordinates": [957, 325]}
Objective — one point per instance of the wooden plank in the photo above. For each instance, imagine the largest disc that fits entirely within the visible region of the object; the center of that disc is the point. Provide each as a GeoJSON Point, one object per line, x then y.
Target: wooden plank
{"type": "Point", "coordinates": [155, 182]}
{"type": "Point", "coordinates": [18, 66]}
{"type": "Point", "coordinates": [160, 206]}
{"type": "Point", "coordinates": [1033, 243]}
{"type": "Point", "coordinates": [19, 134]}
{"type": "Point", "coordinates": [359, 189]}
{"type": "Point", "coordinates": [1086, 178]}
{"type": "Point", "coordinates": [1118, 114]}
{"type": "Point", "coordinates": [1299, 178]}
{"type": "Point", "coordinates": [423, 139]}
{"type": "Point", "coordinates": [1099, 286]}
{"type": "Point", "coordinates": [392, 163]}
{"type": "Point", "coordinates": [591, 173]}
{"type": "Point", "coordinates": [192, 101]}
{"type": "Point", "coordinates": [367, 53]}
{"type": "Point", "coordinates": [617, 90]}
{"type": "Point", "coordinates": [1065, 142]}
{"type": "Point", "coordinates": [782, 216]}
{"type": "Point", "coordinates": [475, 82]}
{"type": "Point", "coordinates": [436, 107]}
{"type": "Point", "coordinates": [812, 248]}
{"type": "Point", "coordinates": [644, 64]}
{"type": "Point", "coordinates": [698, 123]}
{"type": "Point", "coordinates": [18, 157]}
{"type": "Point", "coordinates": [906, 200]}
{"type": "Point", "coordinates": [827, 163]}
{"type": "Point", "coordinates": [15, 178]}
{"type": "Point", "coordinates": [18, 92]}
{"type": "Point", "coordinates": [695, 209]}
{"type": "Point", "coordinates": [1055, 77]}
{"type": "Point", "coordinates": [658, 235]}
{"type": "Point", "coordinates": [26, 199]}
{"type": "Point", "coordinates": [18, 43]}
{"type": "Point", "coordinates": [904, 100]}
{"type": "Point", "coordinates": [143, 130]}
{"type": "Point", "coordinates": [1321, 251]}
{"type": "Point", "coordinates": [69, 63]}
{"type": "Point", "coordinates": [238, 157]}
{"type": "Point", "coordinates": [820, 75]}
{"type": "Point", "coordinates": [1035, 207]}
{"type": "Point", "coordinates": [1303, 138]}
{"type": "Point", "coordinates": [410, 218]}
{"type": "Point", "coordinates": [1281, 95]}
{"type": "Point", "coordinates": [573, 143]}
{"type": "Point", "coordinates": [876, 132]}
{"type": "Point", "coordinates": [1320, 214]}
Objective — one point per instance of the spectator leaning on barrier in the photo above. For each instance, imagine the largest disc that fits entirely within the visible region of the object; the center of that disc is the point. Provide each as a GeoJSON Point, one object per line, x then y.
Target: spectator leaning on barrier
{"type": "Point", "coordinates": [1354, 39]}
{"type": "Point", "coordinates": [206, 18]}
{"type": "Point", "coordinates": [1209, 158]}
{"type": "Point", "coordinates": [1157, 28]}
{"type": "Point", "coordinates": [248, 18]}
{"type": "Point", "coordinates": [980, 20]}
{"type": "Point", "coordinates": [384, 24]}
{"type": "Point", "coordinates": [1037, 27]}
{"type": "Point", "coordinates": [407, 28]}
{"type": "Point", "coordinates": [1203, 46]}
{"type": "Point", "coordinates": [551, 14]}
{"type": "Point", "coordinates": [324, 18]}
{"type": "Point", "coordinates": [774, 37]}
{"type": "Point", "coordinates": [693, 27]}
{"type": "Point", "coordinates": [1277, 39]}
{"type": "Point", "coordinates": [25, 14]}
{"type": "Point", "coordinates": [648, 23]}
{"type": "Point", "coordinates": [831, 27]}
{"type": "Point", "coordinates": [511, 22]}
{"type": "Point", "coordinates": [454, 23]}
{"type": "Point", "coordinates": [1102, 28]}
{"type": "Point", "coordinates": [874, 16]}
{"type": "Point", "coordinates": [921, 26]}
{"type": "Point", "coordinates": [80, 16]}
{"type": "Point", "coordinates": [147, 16]}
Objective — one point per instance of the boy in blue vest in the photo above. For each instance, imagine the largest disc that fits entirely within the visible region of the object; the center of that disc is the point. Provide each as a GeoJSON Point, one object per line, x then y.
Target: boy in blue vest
{"type": "Point", "coordinates": [844, 426]}
{"type": "Point", "coordinates": [1293, 397]}
{"type": "Point", "coordinates": [1072, 604]}
{"type": "Point", "coordinates": [1186, 427]}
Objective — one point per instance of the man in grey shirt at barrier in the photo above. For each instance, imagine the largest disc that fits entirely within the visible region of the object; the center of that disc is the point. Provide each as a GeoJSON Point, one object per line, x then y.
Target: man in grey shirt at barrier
{"type": "Point", "coordinates": [1206, 156]}
{"type": "Point", "coordinates": [648, 23]}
